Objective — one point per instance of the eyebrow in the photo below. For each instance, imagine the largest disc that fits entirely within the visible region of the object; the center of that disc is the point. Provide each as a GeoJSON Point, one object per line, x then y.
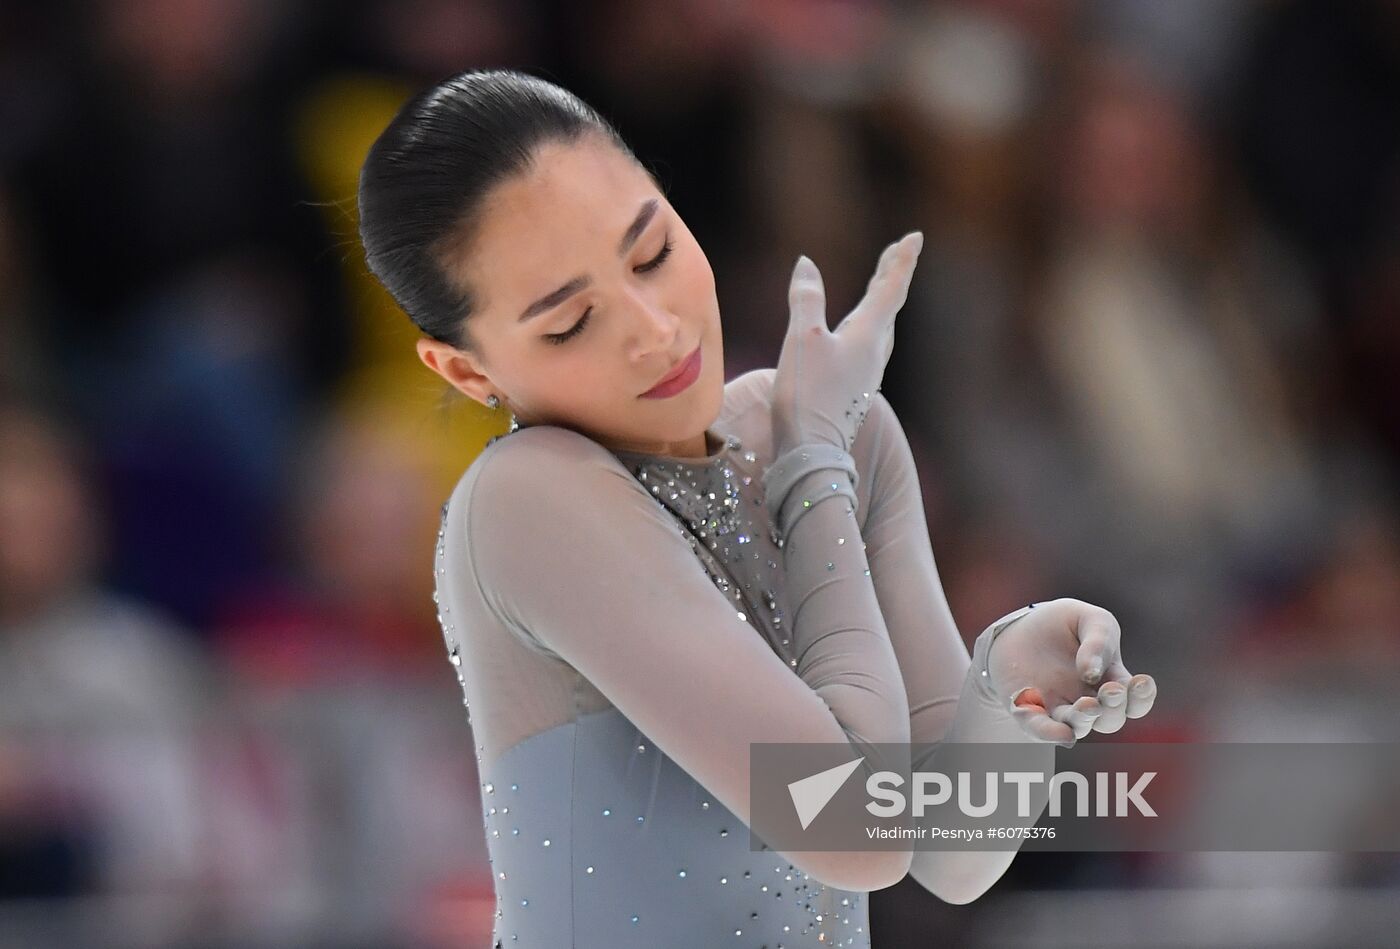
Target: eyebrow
{"type": "Point", "coordinates": [634, 230]}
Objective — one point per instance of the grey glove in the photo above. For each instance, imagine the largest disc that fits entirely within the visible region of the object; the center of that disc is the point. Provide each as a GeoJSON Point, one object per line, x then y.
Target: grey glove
{"type": "Point", "coordinates": [826, 379]}
{"type": "Point", "coordinates": [1057, 668]}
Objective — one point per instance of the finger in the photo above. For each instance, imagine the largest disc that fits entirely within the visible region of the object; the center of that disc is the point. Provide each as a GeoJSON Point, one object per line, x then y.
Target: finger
{"type": "Point", "coordinates": [1117, 672]}
{"type": "Point", "coordinates": [1080, 716]}
{"type": "Point", "coordinates": [1040, 726]}
{"type": "Point", "coordinates": [1113, 699]}
{"type": "Point", "coordinates": [1142, 692]}
{"type": "Point", "coordinates": [806, 297]}
{"type": "Point", "coordinates": [882, 268]}
{"type": "Point", "coordinates": [1098, 644]}
{"type": "Point", "coordinates": [1028, 708]}
{"type": "Point", "coordinates": [1086, 710]}
{"type": "Point", "coordinates": [889, 287]}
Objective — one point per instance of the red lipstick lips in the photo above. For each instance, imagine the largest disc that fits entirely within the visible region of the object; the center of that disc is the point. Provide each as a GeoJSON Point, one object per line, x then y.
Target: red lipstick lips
{"type": "Point", "coordinates": [678, 380]}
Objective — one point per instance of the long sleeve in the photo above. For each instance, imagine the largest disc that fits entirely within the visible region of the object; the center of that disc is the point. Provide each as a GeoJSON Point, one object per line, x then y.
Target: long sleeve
{"type": "Point", "coordinates": [575, 557]}
{"type": "Point", "coordinates": [947, 702]}
{"type": "Point", "coordinates": [844, 649]}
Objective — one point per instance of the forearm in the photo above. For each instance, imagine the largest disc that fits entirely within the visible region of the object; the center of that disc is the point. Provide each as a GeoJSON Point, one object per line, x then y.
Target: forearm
{"type": "Point", "coordinates": [925, 637]}
{"type": "Point", "coordinates": [932, 655]}
{"type": "Point", "coordinates": [932, 658]}
{"type": "Point", "coordinates": [962, 876]}
{"type": "Point", "coordinates": [841, 647]}
{"type": "Point", "coordinates": [840, 637]}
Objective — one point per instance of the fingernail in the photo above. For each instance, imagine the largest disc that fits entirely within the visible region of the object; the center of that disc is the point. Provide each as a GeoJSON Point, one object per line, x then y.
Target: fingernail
{"type": "Point", "coordinates": [805, 267]}
{"type": "Point", "coordinates": [918, 242]}
{"type": "Point", "coordinates": [1095, 668]}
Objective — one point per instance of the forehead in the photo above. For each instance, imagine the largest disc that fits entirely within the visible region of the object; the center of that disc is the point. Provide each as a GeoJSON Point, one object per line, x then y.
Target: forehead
{"type": "Point", "coordinates": [552, 222]}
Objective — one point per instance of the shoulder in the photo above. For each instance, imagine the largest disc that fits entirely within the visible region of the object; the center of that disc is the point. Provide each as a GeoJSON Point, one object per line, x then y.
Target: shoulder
{"type": "Point", "coordinates": [756, 385]}
{"type": "Point", "coordinates": [542, 466]}
{"type": "Point", "coordinates": [542, 444]}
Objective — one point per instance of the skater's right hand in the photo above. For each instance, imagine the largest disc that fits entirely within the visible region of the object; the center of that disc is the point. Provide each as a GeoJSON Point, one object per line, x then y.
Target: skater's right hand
{"type": "Point", "coordinates": [826, 378]}
{"type": "Point", "coordinates": [1058, 670]}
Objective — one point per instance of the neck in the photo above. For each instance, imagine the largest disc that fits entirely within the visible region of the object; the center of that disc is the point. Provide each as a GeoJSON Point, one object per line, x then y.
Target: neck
{"type": "Point", "coordinates": [697, 446]}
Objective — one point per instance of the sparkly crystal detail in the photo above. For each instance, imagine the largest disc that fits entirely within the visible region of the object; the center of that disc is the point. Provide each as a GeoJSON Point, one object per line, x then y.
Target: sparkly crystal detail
{"type": "Point", "coordinates": [711, 500]}
{"type": "Point", "coordinates": [717, 502]}
{"type": "Point", "coordinates": [454, 651]}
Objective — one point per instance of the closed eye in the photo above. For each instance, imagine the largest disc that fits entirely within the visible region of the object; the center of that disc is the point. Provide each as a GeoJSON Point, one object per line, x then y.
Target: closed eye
{"type": "Point", "coordinates": [560, 338]}
{"type": "Point", "coordinates": [572, 331]}
{"type": "Point", "coordinates": [658, 260]}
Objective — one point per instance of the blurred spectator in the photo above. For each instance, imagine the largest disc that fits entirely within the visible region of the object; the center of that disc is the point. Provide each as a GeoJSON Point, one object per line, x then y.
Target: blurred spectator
{"type": "Point", "coordinates": [341, 652]}
{"type": "Point", "coordinates": [1323, 665]}
{"type": "Point", "coordinates": [350, 598]}
{"type": "Point", "coordinates": [1319, 145]}
{"type": "Point", "coordinates": [187, 302]}
{"type": "Point", "coordinates": [393, 48]}
{"type": "Point", "coordinates": [1161, 321]}
{"type": "Point", "coordinates": [98, 695]}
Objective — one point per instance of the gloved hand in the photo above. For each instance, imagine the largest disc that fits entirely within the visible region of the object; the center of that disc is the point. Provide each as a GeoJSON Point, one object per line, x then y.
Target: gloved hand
{"type": "Point", "coordinates": [826, 378]}
{"type": "Point", "coordinates": [1058, 670]}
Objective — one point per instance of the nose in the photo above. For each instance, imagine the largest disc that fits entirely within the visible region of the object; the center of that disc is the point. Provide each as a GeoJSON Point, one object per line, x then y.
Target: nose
{"type": "Point", "coordinates": [653, 329]}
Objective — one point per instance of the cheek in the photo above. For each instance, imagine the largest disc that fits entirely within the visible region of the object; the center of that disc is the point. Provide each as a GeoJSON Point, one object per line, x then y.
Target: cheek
{"type": "Point", "coordinates": [697, 281]}
{"type": "Point", "coordinates": [593, 378]}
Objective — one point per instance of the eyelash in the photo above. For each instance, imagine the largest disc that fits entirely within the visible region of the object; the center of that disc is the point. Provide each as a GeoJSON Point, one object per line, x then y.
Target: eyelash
{"type": "Point", "coordinates": [560, 338]}
{"type": "Point", "coordinates": [659, 259]}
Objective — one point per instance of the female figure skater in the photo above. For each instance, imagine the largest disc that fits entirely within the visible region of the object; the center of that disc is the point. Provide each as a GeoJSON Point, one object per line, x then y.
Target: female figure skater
{"type": "Point", "coordinates": [655, 569]}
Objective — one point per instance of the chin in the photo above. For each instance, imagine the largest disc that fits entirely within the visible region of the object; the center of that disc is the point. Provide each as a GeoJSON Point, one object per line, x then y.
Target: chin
{"type": "Point", "coordinates": [696, 416]}
{"type": "Point", "coordinates": [707, 396]}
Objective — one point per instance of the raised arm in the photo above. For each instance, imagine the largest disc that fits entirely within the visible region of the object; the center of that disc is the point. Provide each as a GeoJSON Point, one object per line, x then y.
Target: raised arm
{"type": "Point", "coordinates": [950, 700]}
{"type": "Point", "coordinates": [1031, 687]}
{"type": "Point", "coordinates": [933, 659]}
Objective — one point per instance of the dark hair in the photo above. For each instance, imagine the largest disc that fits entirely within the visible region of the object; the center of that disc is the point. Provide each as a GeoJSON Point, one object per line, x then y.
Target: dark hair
{"type": "Point", "coordinates": [428, 173]}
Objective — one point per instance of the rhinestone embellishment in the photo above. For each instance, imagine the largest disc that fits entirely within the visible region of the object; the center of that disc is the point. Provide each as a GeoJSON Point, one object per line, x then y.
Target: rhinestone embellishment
{"type": "Point", "coordinates": [718, 505]}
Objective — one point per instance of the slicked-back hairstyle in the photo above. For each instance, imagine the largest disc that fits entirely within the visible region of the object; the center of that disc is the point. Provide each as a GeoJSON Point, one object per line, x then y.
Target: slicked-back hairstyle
{"type": "Point", "coordinates": [429, 172]}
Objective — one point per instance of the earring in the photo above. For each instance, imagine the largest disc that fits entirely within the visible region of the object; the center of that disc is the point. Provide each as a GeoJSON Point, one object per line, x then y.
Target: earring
{"type": "Point", "coordinates": [493, 401]}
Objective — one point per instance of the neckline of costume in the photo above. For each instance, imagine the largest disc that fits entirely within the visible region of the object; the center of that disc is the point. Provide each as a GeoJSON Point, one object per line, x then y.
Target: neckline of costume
{"type": "Point", "coordinates": [723, 443]}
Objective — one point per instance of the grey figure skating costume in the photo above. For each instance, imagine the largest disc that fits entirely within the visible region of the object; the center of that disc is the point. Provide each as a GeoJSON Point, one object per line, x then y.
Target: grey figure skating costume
{"type": "Point", "coordinates": [624, 625]}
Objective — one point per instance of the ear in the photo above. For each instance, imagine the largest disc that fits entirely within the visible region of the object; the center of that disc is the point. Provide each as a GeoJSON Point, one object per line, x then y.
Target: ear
{"type": "Point", "coordinates": [458, 367]}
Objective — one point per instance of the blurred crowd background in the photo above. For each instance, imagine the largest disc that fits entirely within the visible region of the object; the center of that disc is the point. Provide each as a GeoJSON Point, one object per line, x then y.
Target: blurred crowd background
{"type": "Point", "coordinates": [1151, 359]}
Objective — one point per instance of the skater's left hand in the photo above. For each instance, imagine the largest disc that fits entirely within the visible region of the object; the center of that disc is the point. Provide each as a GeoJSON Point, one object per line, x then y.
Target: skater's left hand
{"type": "Point", "coordinates": [1059, 671]}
